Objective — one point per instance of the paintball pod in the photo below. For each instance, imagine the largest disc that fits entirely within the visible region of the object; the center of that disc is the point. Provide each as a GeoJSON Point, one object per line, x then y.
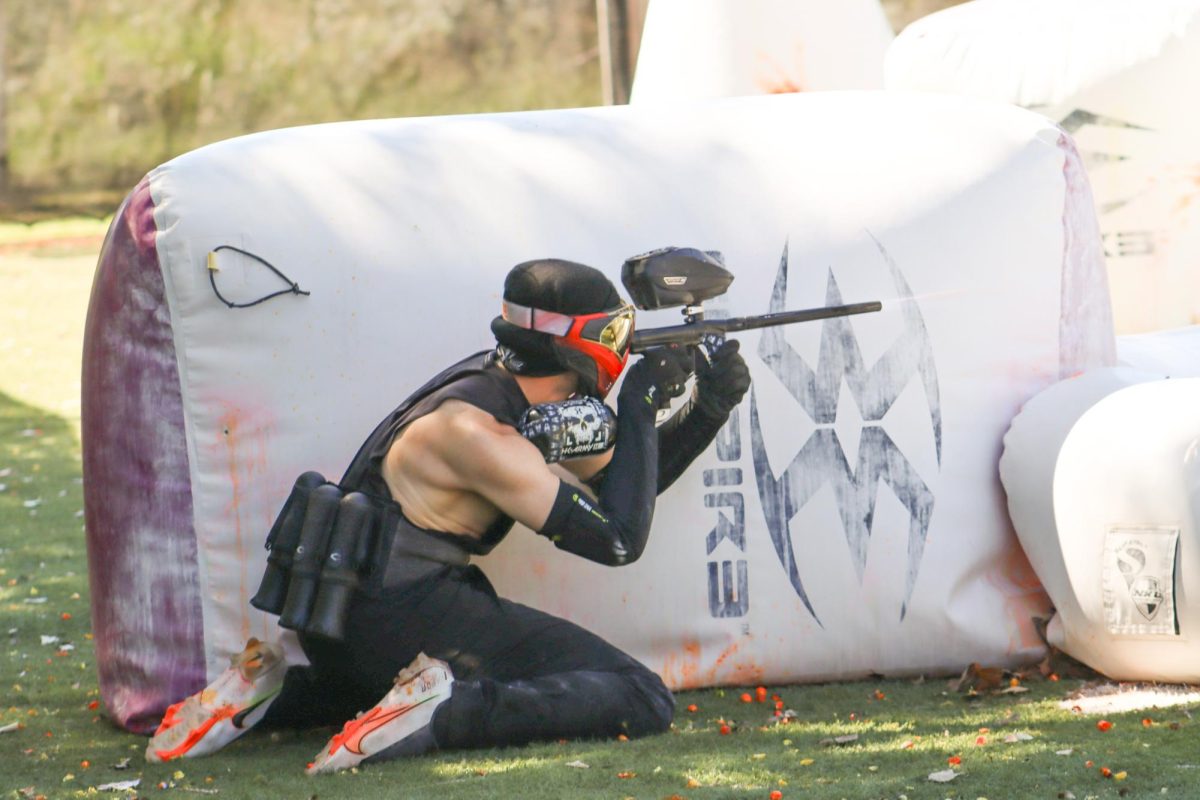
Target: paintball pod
{"type": "Point", "coordinates": [684, 276]}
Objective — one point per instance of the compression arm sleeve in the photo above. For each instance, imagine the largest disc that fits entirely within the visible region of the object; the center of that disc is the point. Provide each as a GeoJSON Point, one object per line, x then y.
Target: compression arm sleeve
{"type": "Point", "coordinates": [683, 437]}
{"type": "Point", "coordinates": [613, 529]}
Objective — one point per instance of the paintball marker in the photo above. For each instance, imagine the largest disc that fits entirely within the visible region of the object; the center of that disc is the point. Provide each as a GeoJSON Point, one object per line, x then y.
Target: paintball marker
{"type": "Point", "coordinates": [684, 276]}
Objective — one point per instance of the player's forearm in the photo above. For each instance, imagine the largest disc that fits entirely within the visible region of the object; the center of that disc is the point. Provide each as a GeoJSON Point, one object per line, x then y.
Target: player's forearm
{"type": "Point", "coordinates": [613, 528]}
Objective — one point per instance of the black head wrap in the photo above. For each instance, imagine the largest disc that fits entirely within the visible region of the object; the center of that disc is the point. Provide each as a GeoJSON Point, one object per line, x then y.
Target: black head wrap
{"type": "Point", "coordinates": [551, 284]}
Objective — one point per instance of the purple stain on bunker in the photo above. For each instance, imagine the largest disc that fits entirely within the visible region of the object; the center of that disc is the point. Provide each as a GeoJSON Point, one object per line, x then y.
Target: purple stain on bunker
{"type": "Point", "coordinates": [142, 557]}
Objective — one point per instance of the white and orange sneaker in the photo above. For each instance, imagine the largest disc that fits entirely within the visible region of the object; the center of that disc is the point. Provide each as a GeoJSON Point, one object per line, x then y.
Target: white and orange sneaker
{"type": "Point", "coordinates": [406, 710]}
{"type": "Point", "coordinates": [223, 711]}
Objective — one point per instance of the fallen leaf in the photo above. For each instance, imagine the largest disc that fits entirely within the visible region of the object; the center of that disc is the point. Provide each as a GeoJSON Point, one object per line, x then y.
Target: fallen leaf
{"type": "Point", "coordinates": [1014, 690]}
{"type": "Point", "coordinates": [979, 678]}
{"type": "Point", "coordinates": [944, 776]}
{"type": "Point", "coordinates": [1066, 752]}
{"type": "Point", "coordinates": [119, 786]}
{"type": "Point", "coordinates": [577, 765]}
{"type": "Point", "coordinates": [1017, 737]}
{"type": "Point", "coordinates": [10, 727]}
{"type": "Point", "coordinates": [806, 762]}
{"type": "Point", "coordinates": [123, 763]}
{"type": "Point", "coordinates": [626, 775]}
{"type": "Point", "coordinates": [1120, 776]}
{"type": "Point", "coordinates": [49, 639]}
{"type": "Point", "coordinates": [692, 783]}
{"type": "Point", "coordinates": [839, 740]}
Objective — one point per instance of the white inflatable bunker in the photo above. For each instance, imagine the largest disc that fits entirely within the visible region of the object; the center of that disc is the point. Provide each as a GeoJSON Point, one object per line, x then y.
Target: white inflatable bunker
{"type": "Point", "coordinates": [848, 519]}
{"type": "Point", "coordinates": [704, 49]}
{"type": "Point", "coordinates": [1103, 481]}
{"type": "Point", "coordinates": [1122, 78]}
{"type": "Point", "coordinates": [1173, 353]}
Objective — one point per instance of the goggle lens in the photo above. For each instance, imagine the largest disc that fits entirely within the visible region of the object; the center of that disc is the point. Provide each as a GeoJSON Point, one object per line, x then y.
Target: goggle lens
{"type": "Point", "coordinates": [604, 337]}
{"type": "Point", "coordinates": [612, 330]}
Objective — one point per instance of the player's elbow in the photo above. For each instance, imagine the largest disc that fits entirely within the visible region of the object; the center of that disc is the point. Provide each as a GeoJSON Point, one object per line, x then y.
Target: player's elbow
{"type": "Point", "coordinates": [627, 552]}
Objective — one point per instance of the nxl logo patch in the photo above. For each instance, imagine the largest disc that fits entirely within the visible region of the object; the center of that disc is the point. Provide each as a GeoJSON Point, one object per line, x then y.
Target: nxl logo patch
{"type": "Point", "coordinates": [822, 460]}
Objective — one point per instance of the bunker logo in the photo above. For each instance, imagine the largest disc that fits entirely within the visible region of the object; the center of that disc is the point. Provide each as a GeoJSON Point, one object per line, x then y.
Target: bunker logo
{"type": "Point", "coordinates": [821, 459]}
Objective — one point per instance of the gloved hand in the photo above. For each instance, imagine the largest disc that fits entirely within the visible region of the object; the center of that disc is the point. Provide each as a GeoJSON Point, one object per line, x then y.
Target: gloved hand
{"type": "Point", "coordinates": [659, 375]}
{"type": "Point", "coordinates": [722, 381]}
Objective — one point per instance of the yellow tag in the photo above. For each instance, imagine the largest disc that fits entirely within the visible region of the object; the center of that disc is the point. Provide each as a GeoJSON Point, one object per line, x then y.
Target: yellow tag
{"type": "Point", "coordinates": [212, 262]}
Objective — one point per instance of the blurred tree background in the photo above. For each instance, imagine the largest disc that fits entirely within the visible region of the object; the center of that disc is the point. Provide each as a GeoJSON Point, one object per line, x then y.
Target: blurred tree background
{"type": "Point", "coordinates": [97, 92]}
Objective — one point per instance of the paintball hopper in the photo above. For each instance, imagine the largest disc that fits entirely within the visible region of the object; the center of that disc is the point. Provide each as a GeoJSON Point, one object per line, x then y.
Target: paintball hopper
{"type": "Point", "coordinates": [674, 276]}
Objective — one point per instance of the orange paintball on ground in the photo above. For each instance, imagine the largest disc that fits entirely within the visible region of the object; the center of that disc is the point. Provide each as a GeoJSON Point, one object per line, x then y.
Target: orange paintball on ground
{"type": "Point", "coordinates": [1104, 726]}
{"type": "Point", "coordinates": [693, 708]}
{"type": "Point", "coordinates": [725, 730]}
{"type": "Point", "coordinates": [954, 761]}
{"type": "Point", "coordinates": [776, 795]}
{"type": "Point", "coordinates": [761, 694]}
{"type": "Point", "coordinates": [746, 698]}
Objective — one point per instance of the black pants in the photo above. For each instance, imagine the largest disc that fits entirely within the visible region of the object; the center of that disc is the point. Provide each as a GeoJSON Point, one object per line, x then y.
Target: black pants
{"type": "Point", "coordinates": [520, 675]}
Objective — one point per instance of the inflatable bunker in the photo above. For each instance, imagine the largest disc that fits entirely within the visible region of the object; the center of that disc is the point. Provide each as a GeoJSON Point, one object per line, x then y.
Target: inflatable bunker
{"type": "Point", "coordinates": [1118, 76]}
{"type": "Point", "coordinates": [704, 49]}
{"type": "Point", "coordinates": [1103, 479]}
{"type": "Point", "coordinates": [261, 303]}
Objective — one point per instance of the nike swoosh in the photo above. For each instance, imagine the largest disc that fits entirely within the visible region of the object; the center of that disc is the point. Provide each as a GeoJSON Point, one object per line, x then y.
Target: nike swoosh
{"type": "Point", "coordinates": [240, 717]}
{"type": "Point", "coordinates": [374, 722]}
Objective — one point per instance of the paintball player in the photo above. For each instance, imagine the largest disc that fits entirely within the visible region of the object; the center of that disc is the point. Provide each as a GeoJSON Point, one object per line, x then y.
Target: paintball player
{"type": "Point", "coordinates": [448, 472]}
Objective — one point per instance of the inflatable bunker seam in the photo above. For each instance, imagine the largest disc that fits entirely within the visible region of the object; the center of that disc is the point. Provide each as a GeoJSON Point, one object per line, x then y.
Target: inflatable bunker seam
{"type": "Point", "coordinates": [141, 542]}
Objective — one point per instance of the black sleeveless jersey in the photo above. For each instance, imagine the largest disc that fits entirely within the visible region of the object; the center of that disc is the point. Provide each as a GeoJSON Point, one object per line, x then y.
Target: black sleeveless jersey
{"type": "Point", "coordinates": [478, 380]}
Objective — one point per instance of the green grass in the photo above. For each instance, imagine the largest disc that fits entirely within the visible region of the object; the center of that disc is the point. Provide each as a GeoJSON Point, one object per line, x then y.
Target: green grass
{"type": "Point", "coordinates": [903, 736]}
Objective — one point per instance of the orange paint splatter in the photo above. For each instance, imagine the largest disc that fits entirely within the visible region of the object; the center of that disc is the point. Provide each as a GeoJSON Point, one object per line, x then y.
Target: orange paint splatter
{"type": "Point", "coordinates": [1024, 597]}
{"type": "Point", "coordinates": [244, 447]}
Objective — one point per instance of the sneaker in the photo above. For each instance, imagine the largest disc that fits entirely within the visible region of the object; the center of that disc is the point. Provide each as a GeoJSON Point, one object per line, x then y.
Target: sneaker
{"type": "Point", "coordinates": [227, 708]}
{"type": "Point", "coordinates": [401, 718]}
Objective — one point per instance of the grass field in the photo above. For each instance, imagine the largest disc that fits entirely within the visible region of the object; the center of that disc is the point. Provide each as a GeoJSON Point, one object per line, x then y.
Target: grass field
{"type": "Point", "coordinates": [891, 735]}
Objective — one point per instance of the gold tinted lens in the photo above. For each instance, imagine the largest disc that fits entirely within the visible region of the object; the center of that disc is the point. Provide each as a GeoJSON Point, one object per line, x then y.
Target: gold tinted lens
{"type": "Point", "coordinates": [616, 333]}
